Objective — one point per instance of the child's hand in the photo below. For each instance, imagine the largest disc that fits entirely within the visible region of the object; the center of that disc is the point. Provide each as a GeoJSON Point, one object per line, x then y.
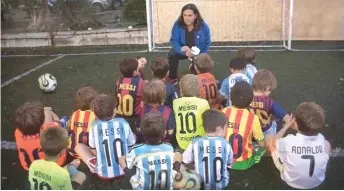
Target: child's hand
{"type": "Point", "coordinates": [289, 120]}
{"type": "Point", "coordinates": [142, 63]}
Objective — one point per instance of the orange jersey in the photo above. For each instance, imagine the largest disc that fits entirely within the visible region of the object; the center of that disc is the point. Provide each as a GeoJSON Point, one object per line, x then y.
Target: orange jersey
{"type": "Point", "coordinates": [242, 126]}
{"type": "Point", "coordinates": [29, 147]}
{"type": "Point", "coordinates": [208, 89]}
{"type": "Point", "coordinates": [80, 125]}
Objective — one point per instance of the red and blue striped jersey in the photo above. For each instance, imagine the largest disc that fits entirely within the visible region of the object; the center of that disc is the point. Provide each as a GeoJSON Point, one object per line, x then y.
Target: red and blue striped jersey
{"type": "Point", "coordinates": [264, 107]}
{"type": "Point", "coordinates": [129, 96]}
{"type": "Point", "coordinates": [166, 112]}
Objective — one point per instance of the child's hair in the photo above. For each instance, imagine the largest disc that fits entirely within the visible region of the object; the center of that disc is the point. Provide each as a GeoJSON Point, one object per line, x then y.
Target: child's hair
{"type": "Point", "coordinates": [103, 106]}
{"type": "Point", "coordinates": [264, 80]}
{"type": "Point", "coordinates": [204, 63]}
{"type": "Point", "coordinates": [128, 66]}
{"type": "Point", "coordinates": [189, 85]}
{"type": "Point", "coordinates": [53, 140]}
{"type": "Point", "coordinates": [212, 119]}
{"type": "Point", "coordinates": [241, 94]}
{"type": "Point", "coordinates": [237, 64]}
{"type": "Point", "coordinates": [138, 57]}
{"type": "Point", "coordinates": [84, 96]}
{"type": "Point", "coordinates": [153, 127]}
{"type": "Point", "coordinates": [310, 117]}
{"type": "Point", "coordinates": [159, 67]}
{"type": "Point", "coordinates": [29, 118]}
{"type": "Point", "coordinates": [247, 53]}
{"type": "Point", "coordinates": [154, 92]}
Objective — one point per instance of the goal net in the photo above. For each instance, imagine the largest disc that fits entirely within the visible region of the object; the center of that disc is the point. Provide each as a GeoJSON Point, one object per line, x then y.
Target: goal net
{"type": "Point", "coordinates": [233, 23]}
{"type": "Point", "coordinates": [276, 24]}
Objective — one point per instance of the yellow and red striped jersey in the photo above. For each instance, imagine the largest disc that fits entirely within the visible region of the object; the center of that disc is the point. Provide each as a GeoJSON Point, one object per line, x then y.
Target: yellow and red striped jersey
{"type": "Point", "coordinates": [80, 125]}
{"type": "Point", "coordinates": [242, 126]}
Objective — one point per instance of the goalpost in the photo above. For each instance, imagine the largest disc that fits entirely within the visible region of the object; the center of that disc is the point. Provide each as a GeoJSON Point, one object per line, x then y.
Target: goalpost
{"type": "Point", "coordinates": [267, 24]}
{"type": "Point", "coordinates": [233, 23]}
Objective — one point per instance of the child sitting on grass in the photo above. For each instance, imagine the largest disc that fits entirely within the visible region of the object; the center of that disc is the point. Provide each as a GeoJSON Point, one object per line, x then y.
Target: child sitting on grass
{"type": "Point", "coordinates": [208, 85]}
{"type": "Point", "coordinates": [46, 174]}
{"type": "Point", "coordinates": [153, 97]}
{"type": "Point", "coordinates": [211, 152]}
{"type": "Point", "coordinates": [249, 54]}
{"type": "Point", "coordinates": [262, 105]}
{"type": "Point", "coordinates": [160, 71]}
{"type": "Point", "coordinates": [242, 127]}
{"type": "Point", "coordinates": [237, 68]}
{"type": "Point", "coordinates": [302, 158]}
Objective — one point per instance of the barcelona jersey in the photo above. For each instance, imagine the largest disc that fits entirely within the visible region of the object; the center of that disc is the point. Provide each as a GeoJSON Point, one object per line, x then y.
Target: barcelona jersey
{"type": "Point", "coordinates": [80, 126]}
{"type": "Point", "coordinates": [242, 126]}
{"type": "Point", "coordinates": [264, 107]}
{"type": "Point", "coordinates": [208, 89]}
{"type": "Point", "coordinates": [29, 147]}
{"type": "Point", "coordinates": [129, 96]}
{"type": "Point", "coordinates": [166, 112]}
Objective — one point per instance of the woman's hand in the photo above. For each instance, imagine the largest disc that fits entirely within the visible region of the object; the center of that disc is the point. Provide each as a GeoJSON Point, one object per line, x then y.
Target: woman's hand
{"type": "Point", "coordinates": [185, 49]}
{"type": "Point", "coordinates": [189, 54]}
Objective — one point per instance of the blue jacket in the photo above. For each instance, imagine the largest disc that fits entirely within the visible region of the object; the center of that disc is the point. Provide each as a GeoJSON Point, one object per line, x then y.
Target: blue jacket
{"type": "Point", "coordinates": [178, 39]}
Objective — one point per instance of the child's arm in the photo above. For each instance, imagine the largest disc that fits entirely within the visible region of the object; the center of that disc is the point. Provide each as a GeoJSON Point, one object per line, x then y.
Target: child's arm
{"type": "Point", "coordinates": [328, 147]}
{"type": "Point", "coordinates": [177, 161]}
{"type": "Point", "coordinates": [224, 89]}
{"type": "Point", "coordinates": [257, 132]}
{"type": "Point", "coordinates": [188, 158]}
{"type": "Point", "coordinates": [77, 180]}
{"type": "Point", "coordinates": [278, 111]}
{"type": "Point", "coordinates": [171, 124]}
{"type": "Point", "coordinates": [271, 141]}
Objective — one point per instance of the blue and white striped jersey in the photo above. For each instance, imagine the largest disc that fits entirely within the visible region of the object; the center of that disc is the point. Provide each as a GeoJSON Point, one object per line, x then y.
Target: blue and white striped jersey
{"type": "Point", "coordinates": [111, 140]}
{"type": "Point", "coordinates": [154, 166]}
{"type": "Point", "coordinates": [250, 71]}
{"type": "Point", "coordinates": [212, 156]}
{"type": "Point", "coordinates": [229, 82]}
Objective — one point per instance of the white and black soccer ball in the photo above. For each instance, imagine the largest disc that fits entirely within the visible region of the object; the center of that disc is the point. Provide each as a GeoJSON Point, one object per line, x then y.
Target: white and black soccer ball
{"type": "Point", "coordinates": [187, 180]}
{"type": "Point", "coordinates": [47, 82]}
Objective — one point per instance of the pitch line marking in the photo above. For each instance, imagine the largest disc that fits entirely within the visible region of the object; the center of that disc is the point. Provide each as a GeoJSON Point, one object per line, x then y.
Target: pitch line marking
{"type": "Point", "coordinates": [10, 81]}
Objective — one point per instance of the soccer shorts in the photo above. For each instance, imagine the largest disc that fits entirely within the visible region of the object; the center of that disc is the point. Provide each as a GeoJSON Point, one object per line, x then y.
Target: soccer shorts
{"type": "Point", "coordinates": [246, 164]}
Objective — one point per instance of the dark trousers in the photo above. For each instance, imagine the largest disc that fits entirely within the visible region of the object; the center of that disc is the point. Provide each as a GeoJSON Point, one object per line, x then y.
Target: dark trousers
{"type": "Point", "coordinates": [173, 60]}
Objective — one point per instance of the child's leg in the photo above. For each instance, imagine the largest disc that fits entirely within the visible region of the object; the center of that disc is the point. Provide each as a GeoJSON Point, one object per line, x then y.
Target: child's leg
{"type": "Point", "coordinates": [77, 180]}
{"type": "Point", "coordinates": [86, 155]}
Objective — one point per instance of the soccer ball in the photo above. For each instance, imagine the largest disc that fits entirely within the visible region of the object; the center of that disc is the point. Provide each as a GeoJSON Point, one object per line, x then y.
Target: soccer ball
{"type": "Point", "coordinates": [187, 180]}
{"type": "Point", "coordinates": [47, 82]}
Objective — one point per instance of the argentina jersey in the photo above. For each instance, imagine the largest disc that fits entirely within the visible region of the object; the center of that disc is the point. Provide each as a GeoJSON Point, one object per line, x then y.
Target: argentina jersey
{"type": "Point", "coordinates": [250, 71]}
{"type": "Point", "coordinates": [211, 156]}
{"type": "Point", "coordinates": [111, 140]}
{"type": "Point", "coordinates": [154, 166]}
{"type": "Point", "coordinates": [229, 82]}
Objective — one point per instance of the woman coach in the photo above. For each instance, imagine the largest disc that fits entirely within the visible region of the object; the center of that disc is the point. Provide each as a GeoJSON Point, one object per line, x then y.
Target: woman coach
{"type": "Point", "coordinates": [188, 31]}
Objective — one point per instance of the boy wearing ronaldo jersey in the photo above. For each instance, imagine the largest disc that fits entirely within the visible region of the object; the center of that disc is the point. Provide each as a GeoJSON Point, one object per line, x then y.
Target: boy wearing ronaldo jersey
{"type": "Point", "coordinates": [262, 105]}
{"type": "Point", "coordinates": [154, 160]}
{"type": "Point", "coordinates": [188, 111]}
{"type": "Point", "coordinates": [237, 68]}
{"type": "Point", "coordinates": [110, 139]}
{"type": "Point", "coordinates": [81, 120]}
{"type": "Point", "coordinates": [211, 155]}
{"type": "Point", "coordinates": [208, 85]}
{"type": "Point", "coordinates": [46, 174]}
{"type": "Point", "coordinates": [242, 127]}
{"type": "Point", "coordinates": [302, 158]}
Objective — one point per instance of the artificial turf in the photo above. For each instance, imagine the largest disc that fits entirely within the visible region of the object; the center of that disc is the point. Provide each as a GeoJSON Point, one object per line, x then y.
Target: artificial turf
{"type": "Point", "coordinates": [301, 76]}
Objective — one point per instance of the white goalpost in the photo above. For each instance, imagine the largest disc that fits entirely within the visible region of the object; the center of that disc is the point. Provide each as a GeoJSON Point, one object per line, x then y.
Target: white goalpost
{"type": "Point", "coordinates": [233, 23]}
{"type": "Point", "coordinates": [267, 24]}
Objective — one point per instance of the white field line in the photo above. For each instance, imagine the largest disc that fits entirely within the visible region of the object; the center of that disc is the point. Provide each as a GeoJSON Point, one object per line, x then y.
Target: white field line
{"type": "Point", "coordinates": [8, 82]}
{"type": "Point", "coordinates": [162, 50]}
{"type": "Point", "coordinates": [10, 145]}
